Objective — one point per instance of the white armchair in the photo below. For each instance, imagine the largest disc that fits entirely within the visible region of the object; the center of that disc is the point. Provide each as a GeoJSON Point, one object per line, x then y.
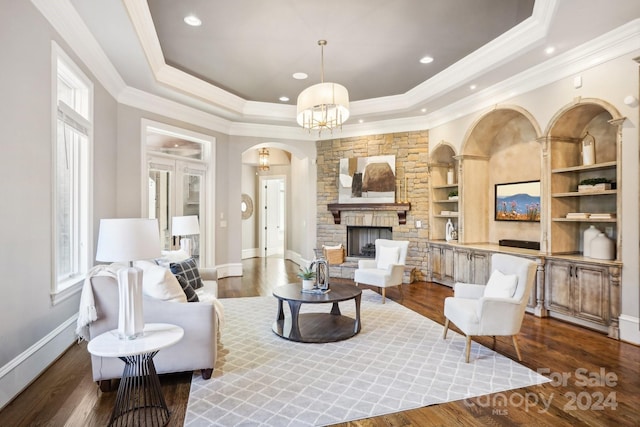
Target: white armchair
{"type": "Point", "coordinates": [496, 309]}
{"type": "Point", "coordinates": [388, 267]}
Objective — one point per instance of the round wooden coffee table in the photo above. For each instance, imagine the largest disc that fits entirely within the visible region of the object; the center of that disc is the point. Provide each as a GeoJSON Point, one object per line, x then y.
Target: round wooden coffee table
{"type": "Point", "coordinates": [316, 327]}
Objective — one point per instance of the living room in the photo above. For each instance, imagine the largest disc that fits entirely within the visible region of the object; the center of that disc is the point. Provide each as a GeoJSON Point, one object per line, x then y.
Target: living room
{"type": "Point", "coordinates": [35, 331]}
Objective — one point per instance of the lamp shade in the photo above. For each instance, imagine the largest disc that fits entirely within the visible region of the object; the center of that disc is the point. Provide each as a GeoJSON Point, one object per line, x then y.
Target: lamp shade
{"type": "Point", "coordinates": [323, 105]}
{"type": "Point", "coordinates": [185, 225]}
{"type": "Point", "coordinates": [128, 239]}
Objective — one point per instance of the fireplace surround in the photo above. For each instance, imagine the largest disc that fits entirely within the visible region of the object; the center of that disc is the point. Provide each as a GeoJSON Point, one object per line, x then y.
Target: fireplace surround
{"type": "Point", "coordinates": [361, 240]}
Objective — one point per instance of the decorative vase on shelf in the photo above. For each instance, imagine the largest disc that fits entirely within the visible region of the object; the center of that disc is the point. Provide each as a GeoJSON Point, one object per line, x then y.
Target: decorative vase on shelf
{"type": "Point", "coordinates": [588, 150]}
{"type": "Point", "coordinates": [602, 247]}
{"type": "Point", "coordinates": [448, 231]}
{"type": "Point", "coordinates": [450, 175]}
{"type": "Point", "coordinates": [588, 235]}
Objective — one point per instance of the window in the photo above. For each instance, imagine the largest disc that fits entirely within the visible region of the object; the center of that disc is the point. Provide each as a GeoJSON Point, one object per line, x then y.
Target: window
{"type": "Point", "coordinates": [73, 97]}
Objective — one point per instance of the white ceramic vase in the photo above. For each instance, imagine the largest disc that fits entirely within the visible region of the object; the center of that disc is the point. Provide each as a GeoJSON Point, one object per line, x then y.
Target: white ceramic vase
{"type": "Point", "coordinates": [588, 235]}
{"type": "Point", "coordinates": [308, 283]}
{"type": "Point", "coordinates": [602, 247]}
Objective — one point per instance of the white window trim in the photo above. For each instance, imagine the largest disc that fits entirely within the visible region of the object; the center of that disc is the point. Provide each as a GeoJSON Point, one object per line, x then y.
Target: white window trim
{"type": "Point", "coordinates": [60, 291]}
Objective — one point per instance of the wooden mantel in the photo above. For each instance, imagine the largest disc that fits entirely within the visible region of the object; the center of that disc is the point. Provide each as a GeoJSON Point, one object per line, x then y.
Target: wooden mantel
{"type": "Point", "coordinates": [400, 208]}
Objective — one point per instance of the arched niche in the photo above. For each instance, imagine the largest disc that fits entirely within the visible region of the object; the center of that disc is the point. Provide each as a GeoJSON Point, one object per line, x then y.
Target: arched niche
{"type": "Point", "coordinates": [502, 146]}
{"type": "Point", "coordinates": [569, 126]}
{"type": "Point", "coordinates": [566, 140]}
{"type": "Point", "coordinates": [441, 159]}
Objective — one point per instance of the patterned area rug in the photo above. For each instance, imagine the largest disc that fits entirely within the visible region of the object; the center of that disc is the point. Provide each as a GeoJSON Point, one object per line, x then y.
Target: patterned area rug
{"type": "Point", "coordinates": [398, 361]}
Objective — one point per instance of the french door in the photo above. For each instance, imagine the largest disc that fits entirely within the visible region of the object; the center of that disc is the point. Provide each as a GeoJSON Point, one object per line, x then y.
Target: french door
{"type": "Point", "coordinates": [177, 188]}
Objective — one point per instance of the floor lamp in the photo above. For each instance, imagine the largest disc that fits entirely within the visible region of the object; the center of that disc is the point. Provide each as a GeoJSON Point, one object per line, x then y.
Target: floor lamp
{"type": "Point", "coordinates": [182, 226]}
{"type": "Point", "coordinates": [128, 240]}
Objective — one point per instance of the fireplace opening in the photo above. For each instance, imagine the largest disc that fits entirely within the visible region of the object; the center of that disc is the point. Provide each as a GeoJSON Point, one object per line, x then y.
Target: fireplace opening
{"type": "Point", "coordinates": [361, 240]}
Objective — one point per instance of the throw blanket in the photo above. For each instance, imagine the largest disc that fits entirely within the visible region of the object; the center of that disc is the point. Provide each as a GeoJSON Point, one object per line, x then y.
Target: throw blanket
{"type": "Point", "coordinates": [87, 311]}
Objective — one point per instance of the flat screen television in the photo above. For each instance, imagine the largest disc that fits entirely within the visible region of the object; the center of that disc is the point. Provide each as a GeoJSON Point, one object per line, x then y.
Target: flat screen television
{"type": "Point", "coordinates": [517, 201]}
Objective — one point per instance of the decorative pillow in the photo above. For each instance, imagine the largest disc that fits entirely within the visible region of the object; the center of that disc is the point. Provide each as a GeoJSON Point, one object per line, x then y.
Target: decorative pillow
{"type": "Point", "coordinates": [187, 290]}
{"type": "Point", "coordinates": [189, 270]}
{"type": "Point", "coordinates": [387, 255]}
{"type": "Point", "coordinates": [159, 283]}
{"type": "Point", "coordinates": [501, 285]}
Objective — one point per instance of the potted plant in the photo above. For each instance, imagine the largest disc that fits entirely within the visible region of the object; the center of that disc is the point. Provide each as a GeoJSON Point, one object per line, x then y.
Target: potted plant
{"type": "Point", "coordinates": [594, 184]}
{"type": "Point", "coordinates": [308, 277]}
{"type": "Point", "coordinates": [453, 195]}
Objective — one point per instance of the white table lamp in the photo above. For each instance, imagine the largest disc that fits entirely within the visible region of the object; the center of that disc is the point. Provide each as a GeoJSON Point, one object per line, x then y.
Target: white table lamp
{"type": "Point", "coordinates": [128, 240]}
{"type": "Point", "coordinates": [185, 226]}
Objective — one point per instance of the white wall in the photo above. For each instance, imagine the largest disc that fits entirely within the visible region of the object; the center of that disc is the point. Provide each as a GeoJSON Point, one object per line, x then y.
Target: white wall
{"type": "Point", "coordinates": [249, 225]}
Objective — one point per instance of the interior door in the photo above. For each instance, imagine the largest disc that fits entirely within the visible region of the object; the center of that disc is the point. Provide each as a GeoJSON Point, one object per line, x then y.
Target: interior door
{"type": "Point", "coordinates": [274, 204]}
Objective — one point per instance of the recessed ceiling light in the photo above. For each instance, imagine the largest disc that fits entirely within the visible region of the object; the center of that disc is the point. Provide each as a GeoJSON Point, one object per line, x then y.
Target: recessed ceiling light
{"type": "Point", "coordinates": [424, 110]}
{"type": "Point", "coordinates": [361, 121]}
{"type": "Point", "coordinates": [192, 20]}
{"type": "Point", "coordinates": [426, 60]}
{"type": "Point", "coordinates": [284, 98]}
{"type": "Point", "coordinates": [300, 76]}
{"type": "Point", "coordinates": [473, 87]}
{"type": "Point", "coordinates": [549, 50]}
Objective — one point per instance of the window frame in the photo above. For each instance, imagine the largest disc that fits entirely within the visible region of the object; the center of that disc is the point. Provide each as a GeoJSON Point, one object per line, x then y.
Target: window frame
{"type": "Point", "coordinates": [78, 119]}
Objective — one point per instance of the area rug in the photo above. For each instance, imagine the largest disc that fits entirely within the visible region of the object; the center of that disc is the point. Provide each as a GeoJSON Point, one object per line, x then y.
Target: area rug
{"type": "Point", "coordinates": [398, 362]}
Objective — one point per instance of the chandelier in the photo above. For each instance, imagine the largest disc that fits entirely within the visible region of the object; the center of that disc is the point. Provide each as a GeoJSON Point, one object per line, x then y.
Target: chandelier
{"type": "Point", "coordinates": [323, 105]}
{"type": "Point", "coordinates": [263, 159]}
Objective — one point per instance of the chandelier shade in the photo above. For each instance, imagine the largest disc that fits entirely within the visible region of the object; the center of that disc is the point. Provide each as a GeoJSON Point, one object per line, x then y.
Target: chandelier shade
{"type": "Point", "coordinates": [263, 159]}
{"type": "Point", "coordinates": [324, 105]}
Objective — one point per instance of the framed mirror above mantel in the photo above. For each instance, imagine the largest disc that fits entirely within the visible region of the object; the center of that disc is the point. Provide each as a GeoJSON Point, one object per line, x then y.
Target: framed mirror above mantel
{"type": "Point", "coordinates": [400, 208]}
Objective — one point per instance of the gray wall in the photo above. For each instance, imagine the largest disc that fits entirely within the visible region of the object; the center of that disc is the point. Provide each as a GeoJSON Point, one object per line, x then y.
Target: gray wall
{"type": "Point", "coordinates": [27, 316]}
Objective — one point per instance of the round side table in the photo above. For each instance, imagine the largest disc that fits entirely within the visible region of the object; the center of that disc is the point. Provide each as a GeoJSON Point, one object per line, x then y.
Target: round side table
{"type": "Point", "coordinates": [139, 400]}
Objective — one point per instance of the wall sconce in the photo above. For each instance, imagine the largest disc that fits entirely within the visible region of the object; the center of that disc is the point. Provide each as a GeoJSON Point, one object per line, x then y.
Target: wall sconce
{"type": "Point", "coordinates": [263, 159]}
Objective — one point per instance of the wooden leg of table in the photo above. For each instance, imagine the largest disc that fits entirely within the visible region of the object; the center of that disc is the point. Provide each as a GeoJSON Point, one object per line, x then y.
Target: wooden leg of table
{"type": "Point", "coordinates": [294, 306]}
{"type": "Point", "coordinates": [357, 326]}
{"type": "Point", "coordinates": [335, 309]}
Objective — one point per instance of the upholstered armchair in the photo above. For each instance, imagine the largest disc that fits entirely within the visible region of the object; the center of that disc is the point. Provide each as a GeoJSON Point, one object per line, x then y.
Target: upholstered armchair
{"type": "Point", "coordinates": [388, 267]}
{"type": "Point", "coordinates": [496, 309]}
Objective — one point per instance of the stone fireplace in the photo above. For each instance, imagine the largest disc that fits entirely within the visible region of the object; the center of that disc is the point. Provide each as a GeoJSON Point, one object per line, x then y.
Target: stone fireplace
{"type": "Point", "coordinates": [361, 240]}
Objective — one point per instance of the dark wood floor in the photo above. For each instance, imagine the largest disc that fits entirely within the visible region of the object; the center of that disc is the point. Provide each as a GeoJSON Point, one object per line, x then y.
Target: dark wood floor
{"type": "Point", "coordinates": [601, 381]}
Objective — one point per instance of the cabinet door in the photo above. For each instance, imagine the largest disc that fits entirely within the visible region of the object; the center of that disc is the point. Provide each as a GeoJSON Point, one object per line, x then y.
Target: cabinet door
{"type": "Point", "coordinates": [591, 296]}
{"type": "Point", "coordinates": [558, 287]}
{"type": "Point", "coordinates": [436, 264]}
{"type": "Point", "coordinates": [480, 266]}
{"type": "Point", "coordinates": [448, 265]}
{"type": "Point", "coordinates": [462, 266]}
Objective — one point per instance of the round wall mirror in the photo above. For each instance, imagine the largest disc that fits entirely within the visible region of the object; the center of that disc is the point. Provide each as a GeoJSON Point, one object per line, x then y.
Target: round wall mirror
{"type": "Point", "coordinates": [246, 206]}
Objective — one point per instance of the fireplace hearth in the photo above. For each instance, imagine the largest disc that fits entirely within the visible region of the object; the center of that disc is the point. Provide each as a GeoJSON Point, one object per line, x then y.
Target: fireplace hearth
{"type": "Point", "coordinates": [361, 240]}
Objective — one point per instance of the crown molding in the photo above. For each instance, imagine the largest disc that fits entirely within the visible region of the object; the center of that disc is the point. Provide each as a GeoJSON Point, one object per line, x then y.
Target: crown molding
{"type": "Point", "coordinates": [527, 34]}
{"type": "Point", "coordinates": [165, 107]}
{"type": "Point", "coordinates": [64, 18]}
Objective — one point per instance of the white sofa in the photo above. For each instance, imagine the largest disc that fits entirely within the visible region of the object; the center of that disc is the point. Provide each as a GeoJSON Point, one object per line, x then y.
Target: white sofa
{"type": "Point", "coordinates": [195, 351]}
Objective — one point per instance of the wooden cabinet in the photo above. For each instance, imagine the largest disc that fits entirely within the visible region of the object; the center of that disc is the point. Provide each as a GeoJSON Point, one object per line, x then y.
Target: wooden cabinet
{"type": "Point", "coordinates": [450, 264]}
{"type": "Point", "coordinates": [471, 266]}
{"type": "Point", "coordinates": [442, 264]}
{"type": "Point", "coordinates": [587, 292]}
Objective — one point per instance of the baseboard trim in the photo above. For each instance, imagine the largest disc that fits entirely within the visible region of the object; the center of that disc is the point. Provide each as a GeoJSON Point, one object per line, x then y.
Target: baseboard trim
{"type": "Point", "coordinates": [229, 270]}
{"type": "Point", "coordinates": [16, 375]}
{"type": "Point", "coordinates": [250, 253]}
{"type": "Point", "coordinates": [629, 329]}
